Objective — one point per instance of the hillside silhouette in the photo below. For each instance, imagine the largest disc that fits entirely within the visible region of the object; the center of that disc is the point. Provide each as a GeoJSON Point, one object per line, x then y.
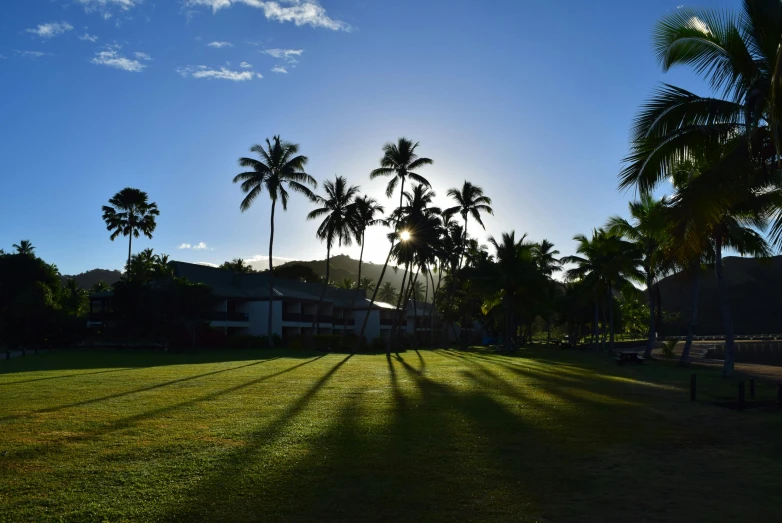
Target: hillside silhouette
{"type": "Point", "coordinates": [343, 266]}
{"type": "Point", "coordinates": [85, 280]}
{"type": "Point", "coordinates": [755, 293]}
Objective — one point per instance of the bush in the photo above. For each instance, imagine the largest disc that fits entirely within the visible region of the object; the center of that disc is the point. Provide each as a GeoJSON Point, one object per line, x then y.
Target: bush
{"type": "Point", "coordinates": [326, 342]}
{"type": "Point", "coordinates": [668, 347]}
{"type": "Point", "coordinates": [378, 345]}
{"type": "Point", "coordinates": [248, 342]}
{"type": "Point", "coordinates": [295, 342]}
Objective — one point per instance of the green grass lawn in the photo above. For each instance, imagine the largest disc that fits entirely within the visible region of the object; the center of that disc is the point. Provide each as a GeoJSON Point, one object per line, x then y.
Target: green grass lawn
{"type": "Point", "coordinates": [441, 435]}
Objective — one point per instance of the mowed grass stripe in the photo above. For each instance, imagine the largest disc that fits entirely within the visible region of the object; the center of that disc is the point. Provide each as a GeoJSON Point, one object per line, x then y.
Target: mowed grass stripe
{"type": "Point", "coordinates": [421, 435]}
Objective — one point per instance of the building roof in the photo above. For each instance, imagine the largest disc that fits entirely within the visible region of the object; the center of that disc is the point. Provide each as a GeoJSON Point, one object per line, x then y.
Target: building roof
{"type": "Point", "coordinates": [255, 286]}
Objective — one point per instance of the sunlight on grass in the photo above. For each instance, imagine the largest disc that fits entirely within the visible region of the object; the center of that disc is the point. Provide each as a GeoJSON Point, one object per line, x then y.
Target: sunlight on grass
{"type": "Point", "coordinates": [422, 435]}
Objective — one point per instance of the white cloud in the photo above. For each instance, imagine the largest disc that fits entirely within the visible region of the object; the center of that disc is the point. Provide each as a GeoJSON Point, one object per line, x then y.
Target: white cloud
{"type": "Point", "coordinates": [207, 264]}
{"type": "Point", "coordinates": [87, 37]}
{"type": "Point", "coordinates": [220, 45]}
{"type": "Point", "coordinates": [142, 56]}
{"type": "Point", "coordinates": [2, 57]}
{"type": "Point", "coordinates": [93, 5]}
{"type": "Point", "coordinates": [289, 55]}
{"type": "Point", "coordinates": [245, 65]}
{"type": "Point", "coordinates": [111, 58]}
{"type": "Point", "coordinates": [200, 246]}
{"type": "Point", "coordinates": [300, 12]}
{"type": "Point", "coordinates": [279, 69]}
{"type": "Point", "coordinates": [30, 54]}
{"type": "Point", "coordinates": [51, 29]}
{"type": "Point", "coordinates": [202, 71]}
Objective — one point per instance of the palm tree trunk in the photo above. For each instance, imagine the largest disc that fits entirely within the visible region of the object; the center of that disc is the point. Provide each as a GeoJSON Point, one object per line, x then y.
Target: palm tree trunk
{"type": "Point", "coordinates": [611, 319]}
{"type": "Point", "coordinates": [605, 328]}
{"type": "Point", "coordinates": [316, 319]}
{"type": "Point", "coordinates": [658, 303]}
{"type": "Point", "coordinates": [727, 369]}
{"type": "Point", "coordinates": [411, 295]}
{"type": "Point", "coordinates": [652, 337]}
{"type": "Point", "coordinates": [685, 358]}
{"type": "Point", "coordinates": [271, 280]}
{"type": "Point", "coordinates": [395, 326]}
{"type": "Point", "coordinates": [596, 324]}
{"type": "Point", "coordinates": [358, 289]}
{"type": "Point", "coordinates": [130, 244]}
{"type": "Point", "coordinates": [433, 310]}
{"type": "Point", "coordinates": [453, 282]}
{"type": "Point", "coordinates": [374, 295]}
{"type": "Point", "coordinates": [508, 321]}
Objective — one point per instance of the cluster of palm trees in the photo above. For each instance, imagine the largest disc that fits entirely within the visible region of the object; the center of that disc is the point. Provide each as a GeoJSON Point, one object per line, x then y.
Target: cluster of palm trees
{"type": "Point", "coordinates": [722, 153]}
{"type": "Point", "coordinates": [442, 264]}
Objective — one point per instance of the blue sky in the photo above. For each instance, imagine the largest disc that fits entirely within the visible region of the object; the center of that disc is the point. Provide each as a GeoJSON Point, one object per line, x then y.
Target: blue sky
{"type": "Point", "coordinates": [531, 101]}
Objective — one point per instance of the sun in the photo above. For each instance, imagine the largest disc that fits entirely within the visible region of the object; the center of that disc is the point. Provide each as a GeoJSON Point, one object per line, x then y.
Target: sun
{"type": "Point", "coordinates": [404, 235]}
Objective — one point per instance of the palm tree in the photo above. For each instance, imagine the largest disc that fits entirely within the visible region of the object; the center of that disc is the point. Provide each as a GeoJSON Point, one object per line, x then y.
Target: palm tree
{"type": "Point", "coordinates": [367, 214]}
{"type": "Point", "coordinates": [546, 259]}
{"type": "Point", "coordinates": [648, 232]}
{"type": "Point", "coordinates": [279, 166]}
{"type": "Point", "coordinates": [345, 284]}
{"type": "Point", "coordinates": [130, 214]}
{"type": "Point", "coordinates": [366, 283]}
{"type": "Point", "coordinates": [514, 269]}
{"type": "Point", "coordinates": [387, 293]}
{"type": "Point", "coordinates": [400, 161]}
{"type": "Point", "coordinates": [470, 201]}
{"type": "Point", "coordinates": [238, 265]}
{"type": "Point", "coordinates": [338, 225]}
{"type": "Point", "coordinates": [588, 269]}
{"type": "Point", "coordinates": [24, 247]}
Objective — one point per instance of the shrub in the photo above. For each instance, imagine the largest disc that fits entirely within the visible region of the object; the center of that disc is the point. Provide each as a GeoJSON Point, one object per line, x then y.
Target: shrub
{"type": "Point", "coordinates": [668, 347]}
{"type": "Point", "coordinates": [378, 345]}
{"type": "Point", "coordinates": [295, 342]}
{"type": "Point", "coordinates": [326, 342]}
{"type": "Point", "coordinates": [248, 342]}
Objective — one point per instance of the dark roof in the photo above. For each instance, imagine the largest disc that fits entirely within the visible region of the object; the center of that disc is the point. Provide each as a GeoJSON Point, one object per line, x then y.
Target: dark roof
{"type": "Point", "coordinates": [255, 286]}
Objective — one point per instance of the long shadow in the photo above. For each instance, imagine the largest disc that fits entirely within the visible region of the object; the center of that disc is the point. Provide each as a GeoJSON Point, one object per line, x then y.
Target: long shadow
{"type": "Point", "coordinates": [216, 490]}
{"type": "Point", "coordinates": [3, 384]}
{"type": "Point", "coordinates": [123, 423]}
{"type": "Point", "coordinates": [129, 392]}
{"type": "Point", "coordinates": [570, 391]}
{"type": "Point", "coordinates": [85, 359]}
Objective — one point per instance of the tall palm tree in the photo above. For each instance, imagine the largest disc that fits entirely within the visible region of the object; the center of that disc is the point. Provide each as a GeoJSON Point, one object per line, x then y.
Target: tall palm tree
{"type": "Point", "coordinates": [470, 201]}
{"type": "Point", "coordinates": [387, 293]}
{"type": "Point", "coordinates": [280, 166]}
{"type": "Point", "coordinates": [24, 247]}
{"type": "Point", "coordinates": [400, 161]}
{"type": "Point", "coordinates": [546, 258]}
{"type": "Point", "coordinates": [514, 269]}
{"type": "Point", "coordinates": [366, 283]}
{"type": "Point", "coordinates": [345, 284]}
{"type": "Point", "coordinates": [588, 269]}
{"type": "Point", "coordinates": [338, 225]}
{"type": "Point", "coordinates": [130, 214]}
{"type": "Point", "coordinates": [647, 231]}
{"type": "Point", "coordinates": [367, 214]}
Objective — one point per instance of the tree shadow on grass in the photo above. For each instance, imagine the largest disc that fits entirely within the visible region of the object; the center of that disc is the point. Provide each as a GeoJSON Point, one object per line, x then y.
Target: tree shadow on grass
{"type": "Point", "coordinates": [81, 359]}
{"type": "Point", "coordinates": [129, 392]}
{"type": "Point", "coordinates": [55, 445]}
{"type": "Point", "coordinates": [218, 495]}
{"type": "Point", "coordinates": [61, 376]}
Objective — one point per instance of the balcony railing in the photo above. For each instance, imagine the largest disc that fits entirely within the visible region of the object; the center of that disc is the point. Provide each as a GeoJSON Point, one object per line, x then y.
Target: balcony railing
{"type": "Point", "coordinates": [228, 316]}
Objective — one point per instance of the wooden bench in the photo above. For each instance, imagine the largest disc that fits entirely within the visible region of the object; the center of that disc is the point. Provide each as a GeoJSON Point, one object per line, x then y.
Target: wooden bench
{"type": "Point", "coordinates": [623, 357]}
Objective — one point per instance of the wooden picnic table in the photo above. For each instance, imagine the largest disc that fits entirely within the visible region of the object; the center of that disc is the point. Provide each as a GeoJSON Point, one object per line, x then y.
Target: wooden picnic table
{"type": "Point", "coordinates": [623, 357]}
